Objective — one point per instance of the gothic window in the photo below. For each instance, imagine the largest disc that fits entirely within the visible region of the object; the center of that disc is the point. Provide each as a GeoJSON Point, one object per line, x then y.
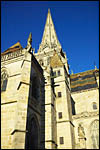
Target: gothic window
{"type": "Point", "coordinates": [60, 115]}
{"type": "Point", "coordinates": [94, 131]}
{"type": "Point", "coordinates": [59, 94]}
{"type": "Point", "coordinates": [4, 80]}
{"type": "Point", "coordinates": [54, 73]}
{"type": "Point", "coordinates": [61, 140]}
{"type": "Point", "coordinates": [58, 72]}
{"type": "Point", "coordinates": [32, 134]}
{"type": "Point", "coordinates": [94, 105]}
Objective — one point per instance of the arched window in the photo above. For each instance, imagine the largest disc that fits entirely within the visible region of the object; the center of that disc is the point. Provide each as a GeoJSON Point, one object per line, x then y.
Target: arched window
{"type": "Point", "coordinates": [94, 105]}
{"type": "Point", "coordinates": [94, 131]}
{"type": "Point", "coordinates": [4, 80]}
{"type": "Point", "coordinates": [32, 134]}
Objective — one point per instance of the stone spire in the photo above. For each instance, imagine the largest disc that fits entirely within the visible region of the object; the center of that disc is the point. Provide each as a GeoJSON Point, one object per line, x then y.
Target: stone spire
{"type": "Point", "coordinates": [49, 39]}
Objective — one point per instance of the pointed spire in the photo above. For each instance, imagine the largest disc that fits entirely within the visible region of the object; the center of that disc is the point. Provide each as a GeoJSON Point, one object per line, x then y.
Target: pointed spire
{"type": "Point", "coordinates": [49, 38]}
{"type": "Point", "coordinates": [48, 10]}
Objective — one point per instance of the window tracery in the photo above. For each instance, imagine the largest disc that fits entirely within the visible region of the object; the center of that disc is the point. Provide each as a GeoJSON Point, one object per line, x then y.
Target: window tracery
{"type": "Point", "coordinates": [94, 131]}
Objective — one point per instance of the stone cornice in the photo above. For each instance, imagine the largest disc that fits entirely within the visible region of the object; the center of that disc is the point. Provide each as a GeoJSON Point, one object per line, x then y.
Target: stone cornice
{"type": "Point", "coordinates": [11, 55]}
{"type": "Point", "coordinates": [85, 115]}
{"type": "Point", "coordinates": [86, 90]}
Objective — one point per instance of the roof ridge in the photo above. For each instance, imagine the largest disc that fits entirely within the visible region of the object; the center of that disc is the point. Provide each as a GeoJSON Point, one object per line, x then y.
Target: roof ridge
{"type": "Point", "coordinates": [84, 72]}
{"type": "Point", "coordinates": [15, 46]}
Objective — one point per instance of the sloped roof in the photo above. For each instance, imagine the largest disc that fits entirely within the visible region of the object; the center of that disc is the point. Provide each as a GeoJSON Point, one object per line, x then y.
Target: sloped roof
{"type": "Point", "coordinates": [13, 48]}
{"type": "Point", "coordinates": [56, 61]}
{"type": "Point", "coordinates": [16, 45]}
{"type": "Point", "coordinates": [84, 80]}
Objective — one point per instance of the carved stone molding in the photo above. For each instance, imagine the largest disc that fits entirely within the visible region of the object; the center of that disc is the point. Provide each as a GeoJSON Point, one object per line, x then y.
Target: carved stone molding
{"type": "Point", "coordinates": [11, 55]}
{"type": "Point", "coordinates": [85, 115]}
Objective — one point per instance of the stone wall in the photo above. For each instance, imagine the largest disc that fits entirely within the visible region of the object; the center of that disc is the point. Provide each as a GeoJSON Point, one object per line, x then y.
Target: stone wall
{"type": "Point", "coordinates": [15, 101]}
{"type": "Point", "coordinates": [9, 100]}
{"type": "Point", "coordinates": [85, 115]}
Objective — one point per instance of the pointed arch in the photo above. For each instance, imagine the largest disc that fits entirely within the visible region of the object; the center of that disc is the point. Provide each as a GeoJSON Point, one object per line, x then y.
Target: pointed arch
{"type": "Point", "coordinates": [94, 134]}
{"type": "Point", "coordinates": [33, 133]}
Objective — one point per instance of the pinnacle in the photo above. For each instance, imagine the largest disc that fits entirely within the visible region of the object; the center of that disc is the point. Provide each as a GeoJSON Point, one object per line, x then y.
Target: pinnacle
{"type": "Point", "coordinates": [48, 10]}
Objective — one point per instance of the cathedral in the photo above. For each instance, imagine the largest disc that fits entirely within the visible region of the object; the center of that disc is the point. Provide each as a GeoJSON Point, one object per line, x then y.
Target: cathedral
{"type": "Point", "coordinates": [43, 106]}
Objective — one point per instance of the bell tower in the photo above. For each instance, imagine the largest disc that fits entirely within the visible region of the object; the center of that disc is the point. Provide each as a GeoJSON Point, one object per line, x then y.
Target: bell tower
{"type": "Point", "coordinates": [59, 128]}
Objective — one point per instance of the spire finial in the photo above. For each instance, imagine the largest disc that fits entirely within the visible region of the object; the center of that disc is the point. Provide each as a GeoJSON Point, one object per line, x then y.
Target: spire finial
{"type": "Point", "coordinates": [48, 10]}
{"type": "Point", "coordinates": [95, 65]}
{"type": "Point", "coordinates": [72, 72]}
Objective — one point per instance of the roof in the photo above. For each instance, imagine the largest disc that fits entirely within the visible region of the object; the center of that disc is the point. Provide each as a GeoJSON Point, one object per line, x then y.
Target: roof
{"type": "Point", "coordinates": [84, 80]}
{"type": "Point", "coordinates": [56, 61]}
{"type": "Point", "coordinates": [13, 48]}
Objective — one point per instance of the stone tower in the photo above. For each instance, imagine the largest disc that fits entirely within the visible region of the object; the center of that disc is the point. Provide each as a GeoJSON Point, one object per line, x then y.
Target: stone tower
{"type": "Point", "coordinates": [59, 128]}
{"type": "Point", "coordinates": [21, 98]}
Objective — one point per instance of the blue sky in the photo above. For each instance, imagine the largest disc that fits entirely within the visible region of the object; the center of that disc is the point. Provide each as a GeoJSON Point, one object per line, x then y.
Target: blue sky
{"type": "Point", "coordinates": [76, 24]}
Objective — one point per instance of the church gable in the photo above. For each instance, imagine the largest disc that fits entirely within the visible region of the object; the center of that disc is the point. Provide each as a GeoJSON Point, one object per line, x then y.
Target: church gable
{"type": "Point", "coordinates": [13, 48]}
{"type": "Point", "coordinates": [17, 45]}
{"type": "Point", "coordinates": [55, 61]}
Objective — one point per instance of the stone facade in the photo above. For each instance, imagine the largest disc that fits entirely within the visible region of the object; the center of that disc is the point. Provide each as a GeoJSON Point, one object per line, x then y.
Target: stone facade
{"type": "Point", "coordinates": [43, 106]}
{"type": "Point", "coordinates": [57, 90]}
{"type": "Point", "coordinates": [18, 105]}
{"type": "Point", "coordinates": [85, 94]}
